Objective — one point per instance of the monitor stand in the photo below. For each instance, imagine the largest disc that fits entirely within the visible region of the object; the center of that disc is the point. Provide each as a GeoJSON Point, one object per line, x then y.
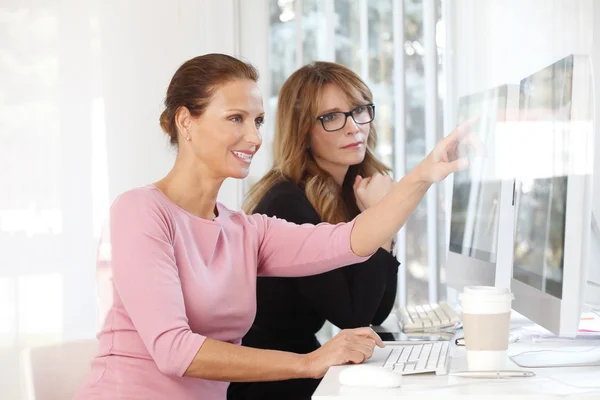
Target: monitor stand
{"type": "Point", "coordinates": [549, 351]}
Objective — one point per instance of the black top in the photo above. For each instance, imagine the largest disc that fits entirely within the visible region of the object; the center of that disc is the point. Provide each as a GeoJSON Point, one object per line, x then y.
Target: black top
{"type": "Point", "coordinates": [290, 311]}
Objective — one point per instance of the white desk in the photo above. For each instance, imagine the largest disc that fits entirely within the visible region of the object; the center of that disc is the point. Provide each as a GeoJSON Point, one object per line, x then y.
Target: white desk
{"type": "Point", "coordinates": [549, 383]}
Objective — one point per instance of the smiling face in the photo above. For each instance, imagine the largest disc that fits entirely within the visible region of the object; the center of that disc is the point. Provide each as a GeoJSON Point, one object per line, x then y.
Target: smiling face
{"type": "Point", "coordinates": [227, 134]}
{"type": "Point", "coordinates": [336, 151]}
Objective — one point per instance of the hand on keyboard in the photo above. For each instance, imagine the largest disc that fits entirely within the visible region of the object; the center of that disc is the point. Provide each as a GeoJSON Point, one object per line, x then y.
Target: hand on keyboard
{"type": "Point", "coordinates": [427, 317]}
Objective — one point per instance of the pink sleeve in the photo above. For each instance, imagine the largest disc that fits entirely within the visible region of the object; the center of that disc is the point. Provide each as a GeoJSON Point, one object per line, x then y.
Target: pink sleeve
{"type": "Point", "coordinates": [287, 249]}
{"type": "Point", "coordinates": [146, 280]}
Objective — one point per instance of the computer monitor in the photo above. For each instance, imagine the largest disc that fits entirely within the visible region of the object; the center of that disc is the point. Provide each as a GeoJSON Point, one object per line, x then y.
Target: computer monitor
{"type": "Point", "coordinates": [480, 245]}
{"type": "Point", "coordinates": [553, 192]}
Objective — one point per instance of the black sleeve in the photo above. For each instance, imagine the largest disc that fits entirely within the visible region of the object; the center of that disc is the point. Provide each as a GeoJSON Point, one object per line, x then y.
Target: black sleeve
{"type": "Point", "coordinates": [358, 295]}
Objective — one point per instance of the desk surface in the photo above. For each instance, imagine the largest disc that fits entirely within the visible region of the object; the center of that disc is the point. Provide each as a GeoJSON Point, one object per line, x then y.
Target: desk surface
{"type": "Point", "coordinates": [549, 383]}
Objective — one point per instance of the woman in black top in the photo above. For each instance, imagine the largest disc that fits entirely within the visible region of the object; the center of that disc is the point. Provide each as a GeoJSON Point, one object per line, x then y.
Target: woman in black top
{"type": "Point", "coordinates": [323, 153]}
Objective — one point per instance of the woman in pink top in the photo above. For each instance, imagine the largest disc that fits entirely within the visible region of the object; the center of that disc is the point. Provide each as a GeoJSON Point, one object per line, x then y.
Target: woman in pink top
{"type": "Point", "coordinates": [184, 267]}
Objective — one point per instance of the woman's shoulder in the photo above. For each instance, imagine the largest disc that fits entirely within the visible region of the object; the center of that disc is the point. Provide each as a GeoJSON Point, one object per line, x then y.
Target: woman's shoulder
{"type": "Point", "coordinates": [143, 203]}
{"type": "Point", "coordinates": [142, 197]}
{"type": "Point", "coordinates": [287, 200]}
{"type": "Point", "coordinates": [282, 192]}
{"type": "Point", "coordinates": [284, 188]}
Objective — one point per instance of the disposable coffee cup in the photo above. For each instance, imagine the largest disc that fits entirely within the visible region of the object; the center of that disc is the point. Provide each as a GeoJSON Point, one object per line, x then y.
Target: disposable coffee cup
{"type": "Point", "coordinates": [486, 324]}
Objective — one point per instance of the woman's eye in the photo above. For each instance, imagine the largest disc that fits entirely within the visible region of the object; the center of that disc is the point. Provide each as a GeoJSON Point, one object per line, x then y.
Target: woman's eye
{"type": "Point", "coordinates": [328, 117]}
{"type": "Point", "coordinates": [236, 118]}
{"type": "Point", "coordinates": [259, 122]}
{"type": "Point", "coordinates": [359, 110]}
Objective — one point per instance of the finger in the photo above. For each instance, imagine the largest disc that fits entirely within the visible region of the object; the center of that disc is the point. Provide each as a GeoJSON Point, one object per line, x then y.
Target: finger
{"type": "Point", "coordinates": [359, 203]}
{"type": "Point", "coordinates": [355, 357]}
{"type": "Point", "coordinates": [364, 183]}
{"type": "Point", "coordinates": [476, 145]}
{"type": "Point", "coordinates": [462, 130]}
{"type": "Point", "coordinates": [362, 345]}
{"type": "Point", "coordinates": [454, 166]}
{"type": "Point", "coordinates": [369, 333]}
{"type": "Point", "coordinates": [459, 165]}
{"type": "Point", "coordinates": [376, 176]}
{"type": "Point", "coordinates": [466, 127]}
{"type": "Point", "coordinates": [379, 179]}
{"type": "Point", "coordinates": [357, 182]}
{"type": "Point", "coordinates": [364, 350]}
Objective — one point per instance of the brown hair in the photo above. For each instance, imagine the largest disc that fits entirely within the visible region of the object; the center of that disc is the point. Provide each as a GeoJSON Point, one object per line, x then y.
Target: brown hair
{"type": "Point", "coordinates": [194, 83]}
{"type": "Point", "coordinates": [296, 113]}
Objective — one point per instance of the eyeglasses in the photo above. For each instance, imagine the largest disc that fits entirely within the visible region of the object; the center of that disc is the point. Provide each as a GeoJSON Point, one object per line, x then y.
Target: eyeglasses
{"type": "Point", "coordinates": [335, 121]}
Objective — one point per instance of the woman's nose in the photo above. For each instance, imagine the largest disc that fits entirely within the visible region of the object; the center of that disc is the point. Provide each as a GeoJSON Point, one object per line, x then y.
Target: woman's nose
{"type": "Point", "coordinates": [254, 137]}
{"type": "Point", "coordinates": [351, 126]}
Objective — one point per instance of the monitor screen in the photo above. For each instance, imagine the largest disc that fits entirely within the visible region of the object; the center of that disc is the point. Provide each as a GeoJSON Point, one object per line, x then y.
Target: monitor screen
{"type": "Point", "coordinates": [545, 108]}
{"type": "Point", "coordinates": [476, 191]}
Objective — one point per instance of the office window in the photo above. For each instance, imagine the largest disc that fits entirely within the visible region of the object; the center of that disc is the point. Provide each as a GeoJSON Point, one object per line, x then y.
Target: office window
{"type": "Point", "coordinates": [425, 243]}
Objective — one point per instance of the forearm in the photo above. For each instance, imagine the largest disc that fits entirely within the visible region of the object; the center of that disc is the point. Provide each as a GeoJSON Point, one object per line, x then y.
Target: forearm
{"type": "Point", "coordinates": [221, 361]}
{"type": "Point", "coordinates": [377, 224]}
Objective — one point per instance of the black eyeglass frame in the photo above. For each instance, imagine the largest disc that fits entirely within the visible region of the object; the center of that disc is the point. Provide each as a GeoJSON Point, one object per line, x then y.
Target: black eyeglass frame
{"type": "Point", "coordinates": [347, 114]}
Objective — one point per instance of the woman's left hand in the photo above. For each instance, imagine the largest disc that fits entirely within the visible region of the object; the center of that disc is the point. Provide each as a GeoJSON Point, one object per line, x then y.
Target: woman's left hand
{"type": "Point", "coordinates": [451, 153]}
{"type": "Point", "coordinates": [369, 191]}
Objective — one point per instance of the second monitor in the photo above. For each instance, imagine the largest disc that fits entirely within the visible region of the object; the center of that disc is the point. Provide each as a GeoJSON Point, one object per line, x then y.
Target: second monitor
{"type": "Point", "coordinates": [553, 232]}
{"type": "Point", "coordinates": [481, 230]}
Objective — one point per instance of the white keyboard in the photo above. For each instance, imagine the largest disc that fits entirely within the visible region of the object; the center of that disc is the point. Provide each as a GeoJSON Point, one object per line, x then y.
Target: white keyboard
{"type": "Point", "coordinates": [427, 317]}
{"type": "Point", "coordinates": [419, 358]}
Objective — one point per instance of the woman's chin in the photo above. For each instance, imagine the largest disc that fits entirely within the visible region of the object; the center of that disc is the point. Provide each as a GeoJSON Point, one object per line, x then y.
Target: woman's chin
{"type": "Point", "coordinates": [359, 158]}
{"type": "Point", "coordinates": [240, 173]}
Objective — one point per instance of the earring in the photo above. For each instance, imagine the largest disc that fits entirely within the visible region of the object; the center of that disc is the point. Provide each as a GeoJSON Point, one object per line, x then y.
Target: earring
{"type": "Point", "coordinates": [188, 138]}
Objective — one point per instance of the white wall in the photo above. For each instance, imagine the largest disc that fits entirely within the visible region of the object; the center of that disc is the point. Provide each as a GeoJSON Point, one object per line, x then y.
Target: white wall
{"type": "Point", "coordinates": [497, 42]}
{"type": "Point", "coordinates": [81, 89]}
{"type": "Point", "coordinates": [494, 42]}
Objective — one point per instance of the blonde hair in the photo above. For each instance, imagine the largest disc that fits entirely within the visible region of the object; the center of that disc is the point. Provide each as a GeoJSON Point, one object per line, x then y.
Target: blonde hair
{"type": "Point", "coordinates": [297, 110]}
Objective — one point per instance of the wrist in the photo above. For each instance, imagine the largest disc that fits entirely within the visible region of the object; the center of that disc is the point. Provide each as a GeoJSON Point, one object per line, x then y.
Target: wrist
{"type": "Point", "coordinates": [304, 366]}
{"type": "Point", "coordinates": [422, 172]}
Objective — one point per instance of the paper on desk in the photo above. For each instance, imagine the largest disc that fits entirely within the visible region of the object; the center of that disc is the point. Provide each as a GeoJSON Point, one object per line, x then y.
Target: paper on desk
{"type": "Point", "coordinates": [589, 324]}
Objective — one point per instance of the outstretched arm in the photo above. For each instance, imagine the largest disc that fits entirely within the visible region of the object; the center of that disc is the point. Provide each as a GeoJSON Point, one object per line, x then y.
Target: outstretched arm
{"type": "Point", "coordinates": [378, 223]}
{"type": "Point", "coordinates": [287, 249]}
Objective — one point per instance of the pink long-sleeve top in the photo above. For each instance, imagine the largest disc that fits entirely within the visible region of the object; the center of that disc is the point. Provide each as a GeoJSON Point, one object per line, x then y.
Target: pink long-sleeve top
{"type": "Point", "coordinates": [178, 279]}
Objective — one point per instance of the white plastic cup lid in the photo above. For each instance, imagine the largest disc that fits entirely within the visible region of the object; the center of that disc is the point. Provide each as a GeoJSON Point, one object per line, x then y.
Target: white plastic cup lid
{"type": "Point", "coordinates": [487, 293]}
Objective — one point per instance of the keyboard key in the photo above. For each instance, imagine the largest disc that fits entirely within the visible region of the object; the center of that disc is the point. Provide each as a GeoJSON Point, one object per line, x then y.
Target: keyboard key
{"type": "Point", "coordinates": [415, 353]}
{"type": "Point", "coordinates": [422, 362]}
{"type": "Point", "coordinates": [432, 363]}
{"type": "Point", "coordinates": [405, 316]}
{"type": "Point", "coordinates": [409, 367]}
{"type": "Point", "coordinates": [391, 360]}
{"type": "Point", "coordinates": [404, 356]}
